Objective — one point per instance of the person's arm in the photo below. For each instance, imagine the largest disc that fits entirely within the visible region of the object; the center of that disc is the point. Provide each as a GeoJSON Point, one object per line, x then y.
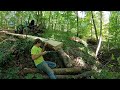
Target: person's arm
{"type": "Point", "coordinates": [44, 46]}
{"type": "Point", "coordinates": [38, 55]}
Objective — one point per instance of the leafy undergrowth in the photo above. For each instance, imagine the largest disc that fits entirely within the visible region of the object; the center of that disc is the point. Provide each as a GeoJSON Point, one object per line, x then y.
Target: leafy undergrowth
{"type": "Point", "coordinates": [15, 56]}
{"type": "Point", "coordinates": [34, 76]}
{"type": "Point", "coordinates": [109, 61]}
{"type": "Point", "coordinates": [110, 64]}
{"type": "Point", "coordinates": [106, 74]}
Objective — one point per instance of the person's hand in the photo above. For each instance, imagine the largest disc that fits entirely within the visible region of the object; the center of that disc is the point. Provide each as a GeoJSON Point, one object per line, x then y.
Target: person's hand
{"type": "Point", "coordinates": [44, 52]}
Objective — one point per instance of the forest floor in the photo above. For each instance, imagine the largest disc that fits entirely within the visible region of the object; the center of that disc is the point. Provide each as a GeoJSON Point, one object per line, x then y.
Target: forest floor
{"type": "Point", "coordinates": [15, 56]}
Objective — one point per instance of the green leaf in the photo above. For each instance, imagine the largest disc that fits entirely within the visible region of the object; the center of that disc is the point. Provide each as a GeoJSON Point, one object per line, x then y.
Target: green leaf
{"type": "Point", "coordinates": [29, 76]}
{"type": "Point", "coordinates": [112, 58]}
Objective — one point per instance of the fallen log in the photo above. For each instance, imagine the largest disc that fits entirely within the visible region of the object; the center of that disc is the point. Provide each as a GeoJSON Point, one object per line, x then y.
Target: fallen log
{"type": "Point", "coordinates": [78, 40]}
{"type": "Point", "coordinates": [66, 59]}
{"type": "Point", "coordinates": [64, 76]}
{"type": "Point", "coordinates": [51, 43]}
{"type": "Point", "coordinates": [57, 71]}
{"type": "Point", "coordinates": [84, 75]}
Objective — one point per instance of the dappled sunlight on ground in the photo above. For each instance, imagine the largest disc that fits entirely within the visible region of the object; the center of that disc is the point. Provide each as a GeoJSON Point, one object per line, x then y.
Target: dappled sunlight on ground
{"type": "Point", "coordinates": [79, 62]}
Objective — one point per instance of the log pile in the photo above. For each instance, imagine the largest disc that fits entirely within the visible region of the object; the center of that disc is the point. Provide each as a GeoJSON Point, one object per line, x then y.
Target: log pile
{"type": "Point", "coordinates": [61, 73]}
{"type": "Point", "coordinates": [85, 75]}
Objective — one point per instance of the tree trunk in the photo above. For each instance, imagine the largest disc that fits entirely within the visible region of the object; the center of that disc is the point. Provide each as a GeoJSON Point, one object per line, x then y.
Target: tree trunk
{"type": "Point", "coordinates": [100, 23]}
{"type": "Point", "coordinates": [91, 28]}
{"type": "Point", "coordinates": [41, 17]}
{"type": "Point", "coordinates": [78, 40]}
{"type": "Point", "coordinates": [66, 59]}
{"type": "Point", "coordinates": [6, 25]}
{"type": "Point", "coordinates": [51, 43]}
{"type": "Point", "coordinates": [21, 17]}
{"type": "Point", "coordinates": [68, 22]}
{"type": "Point", "coordinates": [116, 31]}
{"type": "Point", "coordinates": [94, 26]}
{"type": "Point", "coordinates": [1, 21]}
{"type": "Point", "coordinates": [54, 27]}
{"type": "Point", "coordinates": [108, 39]}
{"type": "Point", "coordinates": [84, 75]}
{"type": "Point", "coordinates": [57, 71]}
{"type": "Point", "coordinates": [55, 23]}
{"type": "Point", "coordinates": [38, 19]}
{"type": "Point", "coordinates": [49, 20]}
{"type": "Point", "coordinates": [28, 19]}
{"type": "Point", "coordinates": [100, 39]}
{"type": "Point", "coordinates": [66, 76]}
{"type": "Point", "coordinates": [77, 25]}
{"type": "Point", "coordinates": [98, 47]}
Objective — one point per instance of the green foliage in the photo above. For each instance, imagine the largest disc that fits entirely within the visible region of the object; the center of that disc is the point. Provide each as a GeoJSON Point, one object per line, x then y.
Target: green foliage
{"type": "Point", "coordinates": [57, 35]}
{"type": "Point", "coordinates": [33, 76]}
{"type": "Point", "coordinates": [38, 76]}
{"type": "Point", "coordinates": [112, 58]}
{"type": "Point", "coordinates": [1, 74]}
{"type": "Point", "coordinates": [29, 76]}
{"type": "Point", "coordinates": [118, 59]}
{"type": "Point", "coordinates": [114, 30]}
{"type": "Point", "coordinates": [23, 46]}
{"type": "Point", "coordinates": [8, 49]}
{"type": "Point", "coordinates": [58, 21]}
{"type": "Point", "coordinates": [106, 74]}
{"type": "Point", "coordinates": [62, 26]}
{"type": "Point", "coordinates": [5, 54]}
{"type": "Point", "coordinates": [11, 73]}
